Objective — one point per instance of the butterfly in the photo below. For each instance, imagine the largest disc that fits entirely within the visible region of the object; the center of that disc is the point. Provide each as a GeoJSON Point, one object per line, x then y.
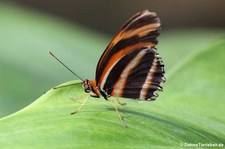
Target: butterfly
{"type": "Point", "coordinates": [130, 67]}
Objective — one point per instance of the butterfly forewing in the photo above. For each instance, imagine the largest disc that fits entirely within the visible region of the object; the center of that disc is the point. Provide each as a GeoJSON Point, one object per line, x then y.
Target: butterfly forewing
{"type": "Point", "coordinates": [130, 66]}
{"type": "Point", "coordinates": [134, 31]}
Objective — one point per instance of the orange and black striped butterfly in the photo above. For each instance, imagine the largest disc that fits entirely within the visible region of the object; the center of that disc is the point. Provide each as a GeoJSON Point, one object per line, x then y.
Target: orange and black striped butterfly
{"type": "Point", "coordinates": [130, 67]}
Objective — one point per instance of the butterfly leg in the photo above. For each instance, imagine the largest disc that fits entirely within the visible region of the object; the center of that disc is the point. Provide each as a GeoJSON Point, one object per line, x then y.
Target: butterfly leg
{"type": "Point", "coordinates": [78, 97]}
{"type": "Point", "coordinates": [118, 114]}
{"type": "Point", "coordinates": [81, 106]}
{"type": "Point", "coordinates": [121, 103]}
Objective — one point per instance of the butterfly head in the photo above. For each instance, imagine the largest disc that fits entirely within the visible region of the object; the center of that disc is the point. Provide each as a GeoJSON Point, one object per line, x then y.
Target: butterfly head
{"type": "Point", "coordinates": [86, 86]}
{"type": "Point", "coordinates": [90, 87]}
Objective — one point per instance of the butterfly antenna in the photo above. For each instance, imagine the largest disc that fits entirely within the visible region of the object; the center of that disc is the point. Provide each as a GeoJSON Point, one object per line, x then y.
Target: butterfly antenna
{"type": "Point", "coordinates": [64, 65]}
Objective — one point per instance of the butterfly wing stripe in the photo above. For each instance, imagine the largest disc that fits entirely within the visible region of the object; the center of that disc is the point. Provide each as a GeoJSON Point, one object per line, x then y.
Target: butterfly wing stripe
{"type": "Point", "coordinates": [114, 58]}
{"type": "Point", "coordinates": [154, 78]}
{"type": "Point", "coordinates": [120, 83]}
{"type": "Point", "coordinates": [143, 31]}
{"type": "Point", "coordinates": [138, 76]}
{"type": "Point", "coordinates": [147, 82]}
{"type": "Point", "coordinates": [113, 74]}
{"type": "Point", "coordinates": [106, 74]}
{"type": "Point", "coordinates": [148, 18]}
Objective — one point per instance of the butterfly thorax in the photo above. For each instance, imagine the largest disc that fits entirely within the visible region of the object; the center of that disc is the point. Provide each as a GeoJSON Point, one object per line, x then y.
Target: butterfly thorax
{"type": "Point", "coordinates": [90, 87]}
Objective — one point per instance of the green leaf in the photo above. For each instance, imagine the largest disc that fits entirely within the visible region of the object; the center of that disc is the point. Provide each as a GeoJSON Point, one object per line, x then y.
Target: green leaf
{"type": "Point", "coordinates": [190, 110]}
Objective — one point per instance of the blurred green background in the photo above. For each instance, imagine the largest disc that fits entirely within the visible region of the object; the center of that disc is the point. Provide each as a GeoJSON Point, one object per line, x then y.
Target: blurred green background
{"type": "Point", "coordinates": [78, 32]}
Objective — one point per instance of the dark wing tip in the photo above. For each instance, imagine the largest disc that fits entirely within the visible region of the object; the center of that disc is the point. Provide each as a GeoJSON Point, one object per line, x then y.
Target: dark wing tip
{"type": "Point", "coordinates": [140, 19]}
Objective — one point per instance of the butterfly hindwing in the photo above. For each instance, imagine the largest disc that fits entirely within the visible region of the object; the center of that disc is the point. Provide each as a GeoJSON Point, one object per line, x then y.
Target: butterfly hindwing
{"type": "Point", "coordinates": [145, 78]}
{"type": "Point", "coordinates": [137, 75]}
